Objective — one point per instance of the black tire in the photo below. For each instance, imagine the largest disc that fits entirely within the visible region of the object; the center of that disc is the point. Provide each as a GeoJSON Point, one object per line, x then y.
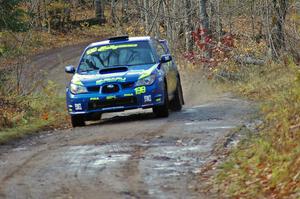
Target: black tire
{"type": "Point", "coordinates": [94, 117]}
{"type": "Point", "coordinates": [163, 110]}
{"type": "Point", "coordinates": [177, 102]}
{"type": "Point", "coordinates": [77, 120]}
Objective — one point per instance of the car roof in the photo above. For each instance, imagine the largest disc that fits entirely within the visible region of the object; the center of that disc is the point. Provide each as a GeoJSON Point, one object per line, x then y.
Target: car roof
{"type": "Point", "coordinates": [129, 39]}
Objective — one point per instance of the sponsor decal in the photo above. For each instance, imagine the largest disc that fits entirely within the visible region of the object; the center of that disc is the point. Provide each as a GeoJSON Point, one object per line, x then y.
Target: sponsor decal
{"type": "Point", "coordinates": [147, 98]}
{"type": "Point", "coordinates": [114, 47]}
{"type": "Point", "coordinates": [158, 100]}
{"type": "Point", "coordinates": [76, 80]}
{"type": "Point", "coordinates": [91, 51]}
{"type": "Point", "coordinates": [78, 107]}
{"type": "Point", "coordinates": [148, 72]}
{"type": "Point", "coordinates": [111, 97]}
{"type": "Point", "coordinates": [128, 94]}
{"type": "Point", "coordinates": [108, 80]}
{"type": "Point", "coordinates": [94, 98]}
{"type": "Point", "coordinates": [109, 47]}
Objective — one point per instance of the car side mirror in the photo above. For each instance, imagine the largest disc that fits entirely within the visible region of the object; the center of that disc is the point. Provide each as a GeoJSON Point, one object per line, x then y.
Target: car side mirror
{"type": "Point", "coordinates": [70, 69]}
{"type": "Point", "coordinates": [165, 58]}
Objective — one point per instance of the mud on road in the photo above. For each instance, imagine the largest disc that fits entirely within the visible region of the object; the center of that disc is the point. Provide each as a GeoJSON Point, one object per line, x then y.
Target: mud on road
{"type": "Point", "coordinates": [126, 155]}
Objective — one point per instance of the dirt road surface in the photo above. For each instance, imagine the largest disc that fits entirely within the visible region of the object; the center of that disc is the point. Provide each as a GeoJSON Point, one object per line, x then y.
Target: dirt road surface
{"type": "Point", "coordinates": [126, 155]}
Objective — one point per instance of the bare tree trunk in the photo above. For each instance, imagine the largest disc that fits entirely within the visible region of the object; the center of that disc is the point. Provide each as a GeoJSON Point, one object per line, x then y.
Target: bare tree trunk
{"type": "Point", "coordinates": [99, 10]}
{"type": "Point", "coordinates": [124, 11]}
{"type": "Point", "coordinates": [230, 16]}
{"type": "Point", "coordinates": [168, 22]}
{"type": "Point", "coordinates": [140, 7]}
{"type": "Point", "coordinates": [155, 20]}
{"type": "Point", "coordinates": [204, 16]}
{"type": "Point", "coordinates": [113, 6]}
{"type": "Point", "coordinates": [188, 26]}
{"type": "Point", "coordinates": [278, 37]}
{"type": "Point", "coordinates": [46, 15]}
{"type": "Point", "coordinates": [219, 27]}
{"type": "Point", "coordinates": [175, 27]}
{"type": "Point", "coordinates": [204, 19]}
{"type": "Point", "coordinates": [146, 12]}
{"type": "Point", "coordinates": [253, 18]}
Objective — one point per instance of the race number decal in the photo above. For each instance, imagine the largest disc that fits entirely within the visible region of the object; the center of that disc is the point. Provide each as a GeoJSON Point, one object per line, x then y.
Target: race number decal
{"type": "Point", "coordinates": [140, 90]}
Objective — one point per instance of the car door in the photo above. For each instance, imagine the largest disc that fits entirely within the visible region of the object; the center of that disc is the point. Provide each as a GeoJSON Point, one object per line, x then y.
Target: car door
{"type": "Point", "coordinates": [166, 66]}
{"type": "Point", "coordinates": [173, 73]}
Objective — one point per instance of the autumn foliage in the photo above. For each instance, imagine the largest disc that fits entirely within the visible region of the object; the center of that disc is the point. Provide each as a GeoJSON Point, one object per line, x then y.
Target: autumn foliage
{"type": "Point", "coordinates": [219, 51]}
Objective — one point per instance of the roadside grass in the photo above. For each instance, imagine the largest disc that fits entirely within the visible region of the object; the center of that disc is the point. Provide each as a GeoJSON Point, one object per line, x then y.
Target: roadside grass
{"type": "Point", "coordinates": [267, 164]}
{"type": "Point", "coordinates": [28, 114]}
{"type": "Point", "coordinates": [22, 130]}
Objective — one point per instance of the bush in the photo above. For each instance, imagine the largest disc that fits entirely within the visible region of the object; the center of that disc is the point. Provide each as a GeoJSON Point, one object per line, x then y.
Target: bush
{"type": "Point", "coordinates": [31, 111]}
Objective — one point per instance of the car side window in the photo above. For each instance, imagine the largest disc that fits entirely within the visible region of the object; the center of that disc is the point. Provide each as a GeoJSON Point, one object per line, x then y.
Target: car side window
{"type": "Point", "coordinates": [160, 50]}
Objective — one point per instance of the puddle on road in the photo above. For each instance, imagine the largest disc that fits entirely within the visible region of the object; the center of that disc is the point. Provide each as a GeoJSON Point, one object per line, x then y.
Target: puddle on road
{"type": "Point", "coordinates": [19, 149]}
{"type": "Point", "coordinates": [93, 156]}
{"type": "Point", "coordinates": [203, 105]}
{"type": "Point", "coordinates": [209, 127]}
{"type": "Point", "coordinates": [196, 108]}
{"type": "Point", "coordinates": [218, 127]}
{"type": "Point", "coordinates": [212, 126]}
{"type": "Point", "coordinates": [111, 159]}
{"type": "Point", "coordinates": [166, 169]}
{"type": "Point", "coordinates": [174, 160]}
{"type": "Point", "coordinates": [165, 161]}
{"type": "Point", "coordinates": [163, 155]}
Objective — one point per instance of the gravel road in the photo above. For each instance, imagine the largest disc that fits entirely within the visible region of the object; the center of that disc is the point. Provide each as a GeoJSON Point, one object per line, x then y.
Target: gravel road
{"type": "Point", "coordinates": [126, 155]}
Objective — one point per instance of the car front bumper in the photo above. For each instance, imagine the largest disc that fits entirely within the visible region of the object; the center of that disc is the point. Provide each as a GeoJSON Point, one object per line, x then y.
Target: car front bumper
{"type": "Point", "coordinates": [138, 97]}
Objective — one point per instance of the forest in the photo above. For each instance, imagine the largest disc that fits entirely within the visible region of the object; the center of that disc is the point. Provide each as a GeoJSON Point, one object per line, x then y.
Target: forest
{"type": "Point", "coordinates": [248, 47]}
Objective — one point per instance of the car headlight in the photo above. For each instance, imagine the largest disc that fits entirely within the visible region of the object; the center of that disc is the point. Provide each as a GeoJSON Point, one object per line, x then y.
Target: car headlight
{"type": "Point", "coordinates": [146, 81]}
{"type": "Point", "coordinates": [77, 89]}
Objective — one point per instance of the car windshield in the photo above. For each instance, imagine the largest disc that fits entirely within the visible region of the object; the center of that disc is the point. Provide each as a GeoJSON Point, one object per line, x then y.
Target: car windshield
{"type": "Point", "coordinates": [116, 55]}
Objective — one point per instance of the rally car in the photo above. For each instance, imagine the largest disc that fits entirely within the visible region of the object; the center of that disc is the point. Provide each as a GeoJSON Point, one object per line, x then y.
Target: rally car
{"type": "Point", "coordinates": [123, 73]}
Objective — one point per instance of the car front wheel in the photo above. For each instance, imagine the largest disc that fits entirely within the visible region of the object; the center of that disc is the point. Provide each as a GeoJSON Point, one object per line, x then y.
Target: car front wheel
{"type": "Point", "coordinates": [163, 110]}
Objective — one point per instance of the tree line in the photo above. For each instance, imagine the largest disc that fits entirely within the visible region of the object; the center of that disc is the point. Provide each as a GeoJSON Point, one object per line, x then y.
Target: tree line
{"type": "Point", "coordinates": [183, 22]}
{"type": "Point", "coordinates": [46, 15]}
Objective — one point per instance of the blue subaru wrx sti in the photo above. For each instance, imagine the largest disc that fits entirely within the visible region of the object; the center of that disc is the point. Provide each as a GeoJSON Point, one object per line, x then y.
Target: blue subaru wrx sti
{"type": "Point", "coordinates": [123, 73]}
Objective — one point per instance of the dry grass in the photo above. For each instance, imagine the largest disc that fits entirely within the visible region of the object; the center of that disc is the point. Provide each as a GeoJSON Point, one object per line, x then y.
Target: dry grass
{"type": "Point", "coordinates": [268, 165]}
{"type": "Point", "coordinates": [23, 115]}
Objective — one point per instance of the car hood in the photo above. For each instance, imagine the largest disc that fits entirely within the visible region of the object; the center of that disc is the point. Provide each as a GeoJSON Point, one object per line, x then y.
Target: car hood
{"type": "Point", "coordinates": [131, 75]}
